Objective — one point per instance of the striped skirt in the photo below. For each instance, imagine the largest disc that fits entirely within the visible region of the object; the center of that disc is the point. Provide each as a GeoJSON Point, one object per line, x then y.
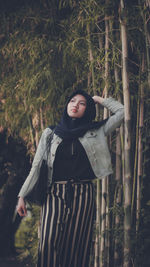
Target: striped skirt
{"type": "Point", "coordinates": [66, 226]}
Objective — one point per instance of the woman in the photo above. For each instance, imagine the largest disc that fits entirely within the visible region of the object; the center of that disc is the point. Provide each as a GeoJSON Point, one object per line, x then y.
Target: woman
{"type": "Point", "coordinates": [79, 153]}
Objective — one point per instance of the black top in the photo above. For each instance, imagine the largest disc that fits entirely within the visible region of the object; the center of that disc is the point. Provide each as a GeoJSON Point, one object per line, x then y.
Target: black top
{"type": "Point", "coordinates": [71, 162]}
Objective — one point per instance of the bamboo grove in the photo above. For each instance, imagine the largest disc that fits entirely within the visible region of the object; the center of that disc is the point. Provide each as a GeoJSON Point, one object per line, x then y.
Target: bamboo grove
{"type": "Point", "coordinates": [49, 48]}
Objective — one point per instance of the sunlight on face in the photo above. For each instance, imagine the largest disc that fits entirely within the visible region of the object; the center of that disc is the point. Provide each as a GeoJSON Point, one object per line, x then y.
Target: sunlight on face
{"type": "Point", "coordinates": [77, 106]}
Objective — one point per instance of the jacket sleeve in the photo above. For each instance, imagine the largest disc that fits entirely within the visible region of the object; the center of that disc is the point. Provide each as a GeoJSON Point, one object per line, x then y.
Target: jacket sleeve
{"type": "Point", "coordinates": [35, 169]}
{"type": "Point", "coordinates": [115, 120]}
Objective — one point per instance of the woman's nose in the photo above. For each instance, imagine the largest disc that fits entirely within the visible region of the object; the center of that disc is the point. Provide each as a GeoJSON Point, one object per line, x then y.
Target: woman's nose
{"type": "Point", "coordinates": [75, 104]}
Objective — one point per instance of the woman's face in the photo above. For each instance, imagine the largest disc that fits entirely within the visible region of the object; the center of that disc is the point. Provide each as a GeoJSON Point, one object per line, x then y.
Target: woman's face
{"type": "Point", "coordinates": [77, 106]}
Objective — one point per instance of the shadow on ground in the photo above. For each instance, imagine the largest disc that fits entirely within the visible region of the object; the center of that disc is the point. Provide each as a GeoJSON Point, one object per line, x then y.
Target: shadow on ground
{"type": "Point", "coordinates": [16, 261]}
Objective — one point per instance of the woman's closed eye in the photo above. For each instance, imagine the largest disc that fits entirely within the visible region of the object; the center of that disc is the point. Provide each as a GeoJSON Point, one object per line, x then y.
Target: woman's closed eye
{"type": "Point", "coordinates": [83, 103]}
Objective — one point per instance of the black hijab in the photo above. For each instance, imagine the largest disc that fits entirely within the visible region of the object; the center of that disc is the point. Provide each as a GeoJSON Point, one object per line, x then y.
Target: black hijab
{"type": "Point", "coordinates": [70, 128]}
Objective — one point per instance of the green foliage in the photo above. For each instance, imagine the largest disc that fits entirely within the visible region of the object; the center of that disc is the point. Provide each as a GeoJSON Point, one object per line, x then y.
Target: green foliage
{"type": "Point", "coordinates": [27, 234]}
{"type": "Point", "coordinates": [14, 167]}
{"type": "Point", "coordinates": [45, 54]}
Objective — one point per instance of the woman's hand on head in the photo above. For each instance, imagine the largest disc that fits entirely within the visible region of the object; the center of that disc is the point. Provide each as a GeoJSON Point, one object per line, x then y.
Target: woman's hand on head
{"type": "Point", "coordinates": [21, 207]}
{"type": "Point", "coordinates": [97, 99]}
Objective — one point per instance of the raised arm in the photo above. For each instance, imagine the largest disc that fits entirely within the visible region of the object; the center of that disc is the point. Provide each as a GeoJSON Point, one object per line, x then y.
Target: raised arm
{"type": "Point", "coordinates": [117, 110]}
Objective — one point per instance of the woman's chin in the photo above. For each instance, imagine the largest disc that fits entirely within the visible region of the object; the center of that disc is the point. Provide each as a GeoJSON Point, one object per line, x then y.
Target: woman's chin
{"type": "Point", "coordinates": [73, 115]}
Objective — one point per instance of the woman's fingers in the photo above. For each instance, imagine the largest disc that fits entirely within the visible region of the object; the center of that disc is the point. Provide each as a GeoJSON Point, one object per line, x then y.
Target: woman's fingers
{"type": "Point", "coordinates": [98, 99]}
{"type": "Point", "coordinates": [21, 207]}
{"type": "Point", "coordinates": [22, 211]}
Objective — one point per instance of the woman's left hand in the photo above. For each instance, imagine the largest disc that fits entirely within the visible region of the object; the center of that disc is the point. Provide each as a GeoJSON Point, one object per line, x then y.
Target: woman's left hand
{"type": "Point", "coordinates": [98, 99]}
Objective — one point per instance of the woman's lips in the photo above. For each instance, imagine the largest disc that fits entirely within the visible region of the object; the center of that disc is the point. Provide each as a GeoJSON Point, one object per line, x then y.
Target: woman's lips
{"type": "Point", "coordinates": [74, 110]}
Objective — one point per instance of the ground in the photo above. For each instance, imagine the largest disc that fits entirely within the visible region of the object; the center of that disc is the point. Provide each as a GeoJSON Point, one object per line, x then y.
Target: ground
{"type": "Point", "coordinates": [16, 261]}
{"type": "Point", "coordinates": [12, 262]}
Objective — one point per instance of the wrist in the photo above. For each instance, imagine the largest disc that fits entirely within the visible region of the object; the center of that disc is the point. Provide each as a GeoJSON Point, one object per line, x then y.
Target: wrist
{"type": "Point", "coordinates": [101, 100]}
{"type": "Point", "coordinates": [98, 99]}
{"type": "Point", "coordinates": [20, 198]}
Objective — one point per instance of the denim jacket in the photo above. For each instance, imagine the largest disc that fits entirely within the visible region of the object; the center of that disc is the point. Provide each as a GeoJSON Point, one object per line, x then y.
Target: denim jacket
{"type": "Point", "coordinates": [94, 143]}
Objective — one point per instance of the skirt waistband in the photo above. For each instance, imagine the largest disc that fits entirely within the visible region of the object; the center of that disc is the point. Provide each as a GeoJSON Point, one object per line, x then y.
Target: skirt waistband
{"type": "Point", "coordinates": [69, 193]}
{"type": "Point", "coordinates": [69, 188]}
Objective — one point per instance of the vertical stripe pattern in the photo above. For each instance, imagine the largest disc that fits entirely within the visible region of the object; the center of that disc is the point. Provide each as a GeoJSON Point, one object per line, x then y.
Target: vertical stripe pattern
{"type": "Point", "coordinates": [66, 230]}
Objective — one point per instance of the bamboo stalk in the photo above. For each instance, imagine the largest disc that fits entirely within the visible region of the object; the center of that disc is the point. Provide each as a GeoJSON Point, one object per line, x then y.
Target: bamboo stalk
{"type": "Point", "coordinates": [127, 179]}
{"type": "Point", "coordinates": [92, 77]}
{"type": "Point", "coordinates": [107, 243]}
{"type": "Point", "coordinates": [98, 212]}
{"type": "Point", "coordinates": [104, 181]}
{"type": "Point", "coordinates": [103, 221]}
{"type": "Point", "coordinates": [117, 245]}
{"type": "Point", "coordinates": [104, 214]}
{"type": "Point", "coordinates": [135, 160]}
{"type": "Point", "coordinates": [91, 73]}
{"type": "Point", "coordinates": [41, 119]}
{"type": "Point", "coordinates": [35, 123]}
{"type": "Point", "coordinates": [140, 150]}
{"type": "Point", "coordinates": [147, 39]}
{"type": "Point", "coordinates": [30, 126]}
{"type": "Point", "coordinates": [145, 16]}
